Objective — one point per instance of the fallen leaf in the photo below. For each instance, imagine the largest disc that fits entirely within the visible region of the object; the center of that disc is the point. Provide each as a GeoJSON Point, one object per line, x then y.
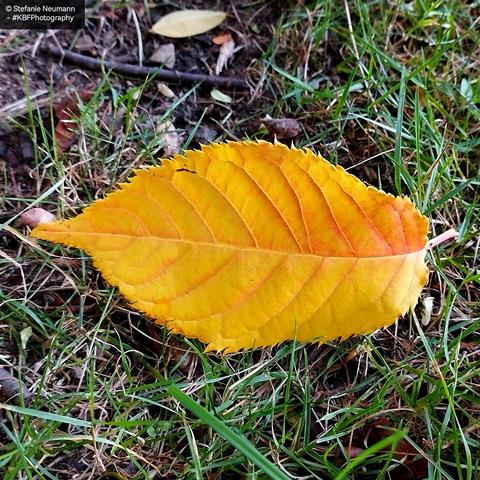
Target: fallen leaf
{"type": "Point", "coordinates": [226, 52]}
{"type": "Point", "coordinates": [220, 96]}
{"type": "Point", "coordinates": [427, 310]}
{"type": "Point", "coordinates": [66, 110]}
{"type": "Point", "coordinates": [25, 335]}
{"type": "Point", "coordinates": [186, 23]}
{"type": "Point", "coordinates": [165, 90]}
{"type": "Point", "coordinates": [164, 54]}
{"type": "Point", "coordinates": [282, 127]}
{"type": "Point", "coordinates": [221, 39]}
{"type": "Point", "coordinates": [36, 216]}
{"type": "Point", "coordinates": [169, 137]}
{"type": "Point", "coordinates": [248, 244]}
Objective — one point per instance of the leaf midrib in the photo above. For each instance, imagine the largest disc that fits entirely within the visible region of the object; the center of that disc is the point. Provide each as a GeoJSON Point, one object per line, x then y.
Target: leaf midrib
{"type": "Point", "coordinates": [228, 246]}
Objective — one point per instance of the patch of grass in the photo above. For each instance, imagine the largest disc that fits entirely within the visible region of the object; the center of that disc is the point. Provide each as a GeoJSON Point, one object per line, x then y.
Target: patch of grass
{"type": "Point", "coordinates": [389, 91]}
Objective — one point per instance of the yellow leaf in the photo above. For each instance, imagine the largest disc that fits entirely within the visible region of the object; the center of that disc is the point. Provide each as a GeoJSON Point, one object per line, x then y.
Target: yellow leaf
{"type": "Point", "coordinates": [250, 244]}
{"type": "Point", "coordinates": [186, 23]}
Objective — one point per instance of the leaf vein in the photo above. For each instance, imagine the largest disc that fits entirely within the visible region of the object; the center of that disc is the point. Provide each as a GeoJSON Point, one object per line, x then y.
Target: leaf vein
{"type": "Point", "coordinates": [369, 221]}
{"type": "Point", "coordinates": [206, 279]}
{"type": "Point", "coordinates": [297, 293]}
{"type": "Point", "coordinates": [165, 211]}
{"type": "Point", "coordinates": [205, 178]}
{"type": "Point", "coordinates": [200, 216]}
{"type": "Point", "coordinates": [247, 297]}
{"type": "Point", "coordinates": [262, 192]}
{"type": "Point", "coordinates": [334, 290]}
{"type": "Point", "coordinates": [319, 188]}
{"type": "Point", "coordinates": [299, 205]}
{"type": "Point", "coordinates": [164, 268]}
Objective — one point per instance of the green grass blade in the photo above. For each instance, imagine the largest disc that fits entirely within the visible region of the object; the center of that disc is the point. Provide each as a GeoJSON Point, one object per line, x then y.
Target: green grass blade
{"type": "Point", "coordinates": [237, 440]}
{"type": "Point", "coordinates": [380, 445]}
{"type": "Point", "coordinates": [53, 417]}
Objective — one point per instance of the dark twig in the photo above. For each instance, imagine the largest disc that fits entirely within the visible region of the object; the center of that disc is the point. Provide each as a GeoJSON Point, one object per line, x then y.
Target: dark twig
{"type": "Point", "coordinates": [133, 70]}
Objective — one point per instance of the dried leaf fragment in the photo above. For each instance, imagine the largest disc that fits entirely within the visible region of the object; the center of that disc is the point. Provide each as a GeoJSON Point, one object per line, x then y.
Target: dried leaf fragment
{"type": "Point", "coordinates": [220, 96]}
{"type": "Point", "coordinates": [170, 138]}
{"type": "Point", "coordinates": [248, 244]}
{"type": "Point", "coordinates": [165, 55]}
{"type": "Point", "coordinates": [427, 310]}
{"type": "Point", "coordinates": [221, 39]}
{"type": "Point", "coordinates": [186, 23]}
{"type": "Point", "coordinates": [282, 127]}
{"type": "Point", "coordinates": [165, 90]}
{"type": "Point", "coordinates": [65, 111]}
{"type": "Point", "coordinates": [226, 52]}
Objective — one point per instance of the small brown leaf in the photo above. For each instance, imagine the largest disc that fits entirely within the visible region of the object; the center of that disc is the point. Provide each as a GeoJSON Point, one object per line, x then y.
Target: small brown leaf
{"type": "Point", "coordinates": [86, 44]}
{"type": "Point", "coordinates": [282, 127]}
{"type": "Point", "coordinates": [66, 110]}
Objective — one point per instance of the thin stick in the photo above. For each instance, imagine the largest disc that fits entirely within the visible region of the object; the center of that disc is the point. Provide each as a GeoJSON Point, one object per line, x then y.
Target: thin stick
{"type": "Point", "coordinates": [136, 71]}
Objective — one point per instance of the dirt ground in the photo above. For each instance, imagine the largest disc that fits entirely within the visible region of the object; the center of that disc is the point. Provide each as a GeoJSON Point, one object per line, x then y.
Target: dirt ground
{"type": "Point", "coordinates": [28, 73]}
